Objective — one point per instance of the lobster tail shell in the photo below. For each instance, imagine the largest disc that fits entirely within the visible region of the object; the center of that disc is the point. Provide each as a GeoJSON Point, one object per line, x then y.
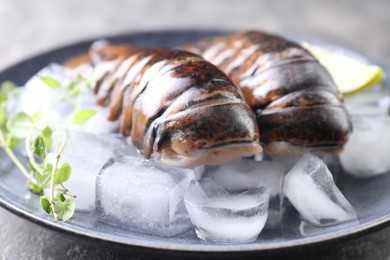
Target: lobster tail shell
{"type": "Point", "coordinates": [293, 95]}
{"type": "Point", "coordinates": [175, 104]}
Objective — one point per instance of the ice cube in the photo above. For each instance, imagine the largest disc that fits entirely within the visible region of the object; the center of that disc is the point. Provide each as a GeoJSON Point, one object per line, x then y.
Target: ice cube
{"type": "Point", "coordinates": [310, 188]}
{"type": "Point", "coordinates": [308, 230]}
{"type": "Point", "coordinates": [86, 154]}
{"type": "Point", "coordinates": [199, 171]}
{"type": "Point", "coordinates": [128, 150]}
{"type": "Point", "coordinates": [331, 160]}
{"type": "Point", "coordinates": [224, 216]}
{"type": "Point", "coordinates": [246, 174]}
{"type": "Point", "coordinates": [143, 196]}
{"type": "Point", "coordinates": [249, 174]}
{"type": "Point", "coordinates": [82, 181]}
{"type": "Point", "coordinates": [367, 152]}
{"type": "Point", "coordinates": [375, 101]}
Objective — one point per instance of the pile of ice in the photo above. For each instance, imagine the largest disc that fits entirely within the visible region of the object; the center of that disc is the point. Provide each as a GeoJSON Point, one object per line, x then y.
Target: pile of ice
{"type": "Point", "coordinates": [230, 203]}
{"type": "Point", "coordinates": [227, 203]}
{"type": "Point", "coordinates": [37, 96]}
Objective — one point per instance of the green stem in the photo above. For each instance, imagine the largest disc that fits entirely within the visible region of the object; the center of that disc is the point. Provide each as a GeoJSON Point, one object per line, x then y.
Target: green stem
{"type": "Point", "coordinates": [20, 166]}
{"type": "Point", "coordinates": [66, 192]}
{"type": "Point", "coordinates": [30, 153]}
{"type": "Point", "coordinates": [52, 106]}
{"type": "Point", "coordinates": [15, 160]}
{"type": "Point", "coordinates": [53, 174]}
{"type": "Point", "coordinates": [59, 102]}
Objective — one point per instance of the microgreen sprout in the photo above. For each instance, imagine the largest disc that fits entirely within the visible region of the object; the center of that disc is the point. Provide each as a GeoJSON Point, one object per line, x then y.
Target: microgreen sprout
{"type": "Point", "coordinates": [43, 171]}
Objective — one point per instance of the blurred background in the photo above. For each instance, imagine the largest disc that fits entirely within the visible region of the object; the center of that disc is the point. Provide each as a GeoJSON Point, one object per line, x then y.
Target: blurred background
{"type": "Point", "coordinates": [30, 27]}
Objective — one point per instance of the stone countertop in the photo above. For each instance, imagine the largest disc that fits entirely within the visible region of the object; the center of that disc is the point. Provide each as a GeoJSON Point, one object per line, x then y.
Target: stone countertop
{"type": "Point", "coordinates": [31, 27]}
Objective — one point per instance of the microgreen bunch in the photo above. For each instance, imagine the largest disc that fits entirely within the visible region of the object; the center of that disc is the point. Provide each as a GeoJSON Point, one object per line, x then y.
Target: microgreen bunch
{"type": "Point", "coordinates": [43, 171]}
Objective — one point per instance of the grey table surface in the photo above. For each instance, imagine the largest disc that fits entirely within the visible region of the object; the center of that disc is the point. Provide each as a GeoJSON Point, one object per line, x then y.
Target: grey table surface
{"type": "Point", "coordinates": [31, 27]}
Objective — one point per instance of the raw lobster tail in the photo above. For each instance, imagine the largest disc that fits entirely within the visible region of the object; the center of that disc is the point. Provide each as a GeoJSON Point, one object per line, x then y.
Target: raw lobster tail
{"type": "Point", "coordinates": [294, 97]}
{"type": "Point", "coordinates": [175, 104]}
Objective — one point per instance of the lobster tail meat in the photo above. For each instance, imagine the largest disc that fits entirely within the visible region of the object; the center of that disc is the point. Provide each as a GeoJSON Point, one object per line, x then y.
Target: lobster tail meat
{"type": "Point", "coordinates": [294, 97]}
{"type": "Point", "coordinates": [174, 104]}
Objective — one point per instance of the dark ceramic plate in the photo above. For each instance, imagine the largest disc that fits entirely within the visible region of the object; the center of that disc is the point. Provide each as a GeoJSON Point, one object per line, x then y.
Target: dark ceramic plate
{"type": "Point", "coordinates": [370, 197]}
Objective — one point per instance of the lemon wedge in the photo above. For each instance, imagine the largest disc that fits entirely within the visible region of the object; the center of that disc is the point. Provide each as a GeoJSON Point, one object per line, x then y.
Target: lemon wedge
{"type": "Point", "coordinates": [350, 75]}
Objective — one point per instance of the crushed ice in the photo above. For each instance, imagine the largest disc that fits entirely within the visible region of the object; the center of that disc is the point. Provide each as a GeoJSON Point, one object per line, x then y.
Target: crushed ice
{"type": "Point", "coordinates": [36, 96]}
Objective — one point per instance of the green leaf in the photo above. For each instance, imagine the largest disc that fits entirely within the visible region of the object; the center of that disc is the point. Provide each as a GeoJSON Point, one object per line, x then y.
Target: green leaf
{"type": "Point", "coordinates": [36, 116]}
{"type": "Point", "coordinates": [8, 86]}
{"type": "Point", "coordinates": [45, 203]}
{"type": "Point", "coordinates": [43, 180]}
{"type": "Point", "coordinates": [31, 167]}
{"type": "Point", "coordinates": [73, 90]}
{"type": "Point", "coordinates": [59, 197]}
{"type": "Point", "coordinates": [65, 209]}
{"type": "Point", "coordinates": [34, 188]}
{"type": "Point", "coordinates": [7, 91]}
{"type": "Point", "coordinates": [47, 135]}
{"type": "Point", "coordinates": [50, 81]}
{"type": "Point", "coordinates": [82, 116]}
{"type": "Point", "coordinates": [19, 125]}
{"type": "Point", "coordinates": [91, 81]}
{"type": "Point", "coordinates": [63, 174]}
{"type": "Point", "coordinates": [38, 147]}
{"type": "Point", "coordinates": [11, 141]}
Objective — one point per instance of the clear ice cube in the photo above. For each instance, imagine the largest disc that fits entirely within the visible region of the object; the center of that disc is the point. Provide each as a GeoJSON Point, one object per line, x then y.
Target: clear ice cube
{"type": "Point", "coordinates": [248, 174]}
{"type": "Point", "coordinates": [367, 152]}
{"type": "Point", "coordinates": [223, 216]}
{"type": "Point", "coordinates": [82, 181]}
{"type": "Point", "coordinates": [86, 154]}
{"type": "Point", "coordinates": [310, 188]}
{"type": "Point", "coordinates": [143, 196]}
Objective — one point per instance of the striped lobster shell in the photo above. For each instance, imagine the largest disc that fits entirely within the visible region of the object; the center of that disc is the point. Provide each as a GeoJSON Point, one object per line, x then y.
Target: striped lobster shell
{"type": "Point", "coordinates": [175, 104]}
{"type": "Point", "coordinates": [295, 99]}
